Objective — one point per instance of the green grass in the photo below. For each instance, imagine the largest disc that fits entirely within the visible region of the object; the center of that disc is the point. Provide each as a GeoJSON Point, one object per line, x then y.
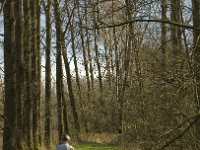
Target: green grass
{"type": "Point", "coordinates": [95, 147]}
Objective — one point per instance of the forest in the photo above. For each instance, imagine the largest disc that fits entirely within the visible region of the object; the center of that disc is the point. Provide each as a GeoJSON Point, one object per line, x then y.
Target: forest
{"type": "Point", "coordinates": [120, 72]}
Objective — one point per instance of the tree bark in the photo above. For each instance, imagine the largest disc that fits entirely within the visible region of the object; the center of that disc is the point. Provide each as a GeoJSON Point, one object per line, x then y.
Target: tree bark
{"type": "Point", "coordinates": [58, 66]}
{"type": "Point", "coordinates": [64, 105]}
{"type": "Point", "coordinates": [34, 72]}
{"type": "Point", "coordinates": [196, 56]}
{"type": "Point", "coordinates": [96, 48]}
{"type": "Point", "coordinates": [19, 71]}
{"type": "Point", "coordinates": [47, 135]}
{"type": "Point", "coordinates": [85, 59]}
{"type": "Point", "coordinates": [176, 31]}
{"type": "Point", "coordinates": [10, 106]}
{"type": "Point", "coordinates": [164, 33]}
{"type": "Point", "coordinates": [88, 48]}
{"type": "Point", "coordinates": [107, 58]}
{"type": "Point", "coordinates": [74, 56]}
{"type": "Point", "coordinates": [117, 77]}
{"type": "Point", "coordinates": [70, 89]}
{"type": "Point", "coordinates": [38, 65]}
{"type": "Point", "coordinates": [28, 83]}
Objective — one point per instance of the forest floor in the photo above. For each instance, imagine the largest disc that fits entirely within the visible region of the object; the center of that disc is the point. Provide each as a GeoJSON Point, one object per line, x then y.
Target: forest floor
{"type": "Point", "coordinates": [98, 141]}
{"type": "Point", "coordinates": [95, 147]}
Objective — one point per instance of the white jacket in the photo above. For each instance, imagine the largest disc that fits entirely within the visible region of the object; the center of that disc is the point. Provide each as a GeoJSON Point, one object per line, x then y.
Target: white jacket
{"type": "Point", "coordinates": [64, 147]}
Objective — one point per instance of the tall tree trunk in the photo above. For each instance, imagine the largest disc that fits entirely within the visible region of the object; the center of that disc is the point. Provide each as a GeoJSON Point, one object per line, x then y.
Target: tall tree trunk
{"type": "Point", "coordinates": [70, 89]}
{"type": "Point", "coordinates": [58, 66]}
{"type": "Point", "coordinates": [107, 58]}
{"type": "Point", "coordinates": [47, 135]}
{"type": "Point", "coordinates": [19, 71]}
{"type": "Point", "coordinates": [164, 32]}
{"type": "Point", "coordinates": [133, 47]}
{"type": "Point", "coordinates": [85, 59]}
{"type": "Point", "coordinates": [75, 59]}
{"type": "Point", "coordinates": [176, 31]}
{"type": "Point", "coordinates": [96, 48]}
{"type": "Point", "coordinates": [38, 65]}
{"type": "Point", "coordinates": [85, 62]}
{"type": "Point", "coordinates": [27, 56]}
{"type": "Point", "coordinates": [34, 72]}
{"type": "Point", "coordinates": [10, 120]}
{"type": "Point", "coordinates": [64, 105]}
{"type": "Point", "coordinates": [110, 52]}
{"type": "Point", "coordinates": [117, 80]}
{"type": "Point", "coordinates": [88, 48]}
{"type": "Point", "coordinates": [74, 55]}
{"type": "Point", "coordinates": [196, 21]}
{"type": "Point", "coordinates": [196, 34]}
{"type": "Point", "coordinates": [69, 80]}
{"type": "Point", "coordinates": [61, 41]}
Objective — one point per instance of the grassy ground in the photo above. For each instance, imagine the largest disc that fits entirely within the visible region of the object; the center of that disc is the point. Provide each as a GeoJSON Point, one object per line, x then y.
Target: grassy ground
{"type": "Point", "coordinates": [94, 147]}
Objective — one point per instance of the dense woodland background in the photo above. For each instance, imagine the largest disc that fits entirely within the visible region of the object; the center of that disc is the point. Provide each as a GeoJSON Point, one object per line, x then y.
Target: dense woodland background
{"type": "Point", "coordinates": [128, 69]}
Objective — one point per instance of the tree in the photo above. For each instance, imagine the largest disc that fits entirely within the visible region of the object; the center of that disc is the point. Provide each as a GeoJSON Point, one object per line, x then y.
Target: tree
{"type": "Point", "coordinates": [164, 32]}
{"type": "Point", "coordinates": [64, 105]}
{"type": "Point", "coordinates": [176, 31]}
{"type": "Point", "coordinates": [70, 89]}
{"type": "Point", "coordinates": [85, 45]}
{"type": "Point", "coordinates": [74, 56]}
{"type": "Point", "coordinates": [19, 70]}
{"type": "Point", "coordinates": [48, 75]}
{"type": "Point", "coordinates": [10, 106]}
{"type": "Point", "coordinates": [107, 59]}
{"type": "Point", "coordinates": [24, 69]}
{"type": "Point", "coordinates": [27, 56]}
{"type": "Point", "coordinates": [117, 75]}
{"type": "Point", "coordinates": [88, 47]}
{"type": "Point", "coordinates": [38, 68]}
{"type": "Point", "coordinates": [196, 56]}
{"type": "Point", "coordinates": [61, 49]}
{"type": "Point", "coordinates": [96, 47]}
{"type": "Point", "coordinates": [35, 72]}
{"type": "Point", "coordinates": [59, 73]}
{"type": "Point", "coordinates": [85, 58]}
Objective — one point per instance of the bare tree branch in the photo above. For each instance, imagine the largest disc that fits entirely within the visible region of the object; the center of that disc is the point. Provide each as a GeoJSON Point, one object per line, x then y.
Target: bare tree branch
{"type": "Point", "coordinates": [105, 25]}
